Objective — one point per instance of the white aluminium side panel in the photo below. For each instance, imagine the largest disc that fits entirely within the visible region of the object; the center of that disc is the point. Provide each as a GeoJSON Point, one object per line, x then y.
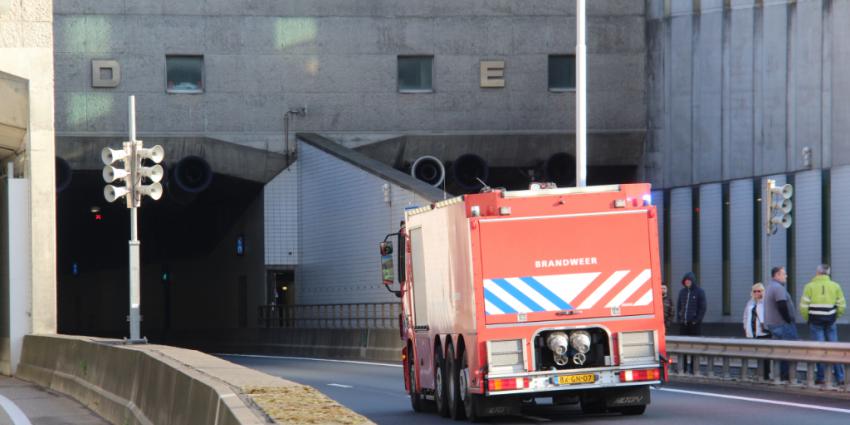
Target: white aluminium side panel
{"type": "Point", "coordinates": [807, 223]}
{"type": "Point", "coordinates": [446, 244]}
{"type": "Point", "coordinates": [19, 298]}
{"type": "Point", "coordinates": [681, 249]}
{"type": "Point", "coordinates": [711, 248]}
{"type": "Point", "coordinates": [280, 198]}
{"type": "Point", "coordinates": [741, 244]}
{"type": "Point", "coordinates": [344, 212]}
{"type": "Point", "coordinates": [840, 230]}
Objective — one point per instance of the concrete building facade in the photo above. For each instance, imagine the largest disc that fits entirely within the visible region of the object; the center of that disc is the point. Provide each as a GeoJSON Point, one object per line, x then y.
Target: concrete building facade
{"type": "Point", "coordinates": [27, 197]}
{"type": "Point", "coordinates": [253, 62]}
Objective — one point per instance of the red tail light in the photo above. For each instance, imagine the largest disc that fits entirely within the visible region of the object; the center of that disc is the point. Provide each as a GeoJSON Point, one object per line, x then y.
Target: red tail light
{"type": "Point", "coordinates": [505, 384]}
{"type": "Point", "coordinates": [640, 375]}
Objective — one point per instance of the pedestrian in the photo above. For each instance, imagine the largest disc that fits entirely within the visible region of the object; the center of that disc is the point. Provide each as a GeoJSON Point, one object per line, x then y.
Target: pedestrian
{"type": "Point", "coordinates": [754, 321]}
{"type": "Point", "coordinates": [779, 313]}
{"type": "Point", "coordinates": [668, 309]}
{"type": "Point", "coordinates": [821, 305]}
{"type": "Point", "coordinates": [691, 306]}
{"type": "Point", "coordinates": [690, 309]}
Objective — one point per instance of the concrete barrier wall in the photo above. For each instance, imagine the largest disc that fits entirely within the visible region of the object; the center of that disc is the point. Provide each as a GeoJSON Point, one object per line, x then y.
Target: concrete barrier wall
{"type": "Point", "coordinates": [382, 345]}
{"type": "Point", "coordinates": [145, 384]}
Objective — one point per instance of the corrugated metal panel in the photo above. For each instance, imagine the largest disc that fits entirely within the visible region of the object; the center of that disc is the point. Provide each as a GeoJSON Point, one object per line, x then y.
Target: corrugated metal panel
{"type": "Point", "coordinates": [807, 224]}
{"type": "Point", "coordinates": [777, 242]}
{"type": "Point", "coordinates": [741, 243]}
{"type": "Point", "coordinates": [658, 201]}
{"type": "Point", "coordinates": [711, 248]}
{"type": "Point", "coordinates": [344, 212]}
{"type": "Point", "coordinates": [840, 229]}
{"type": "Point", "coordinates": [681, 256]}
{"type": "Point", "coordinates": [280, 198]}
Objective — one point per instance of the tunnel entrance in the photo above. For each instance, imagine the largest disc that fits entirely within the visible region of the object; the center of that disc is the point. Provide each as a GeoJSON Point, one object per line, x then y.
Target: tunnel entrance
{"type": "Point", "coordinates": [199, 253]}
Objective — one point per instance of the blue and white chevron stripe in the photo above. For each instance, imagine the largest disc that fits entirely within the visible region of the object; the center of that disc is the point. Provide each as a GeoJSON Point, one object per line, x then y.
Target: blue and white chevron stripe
{"type": "Point", "coordinates": [533, 294]}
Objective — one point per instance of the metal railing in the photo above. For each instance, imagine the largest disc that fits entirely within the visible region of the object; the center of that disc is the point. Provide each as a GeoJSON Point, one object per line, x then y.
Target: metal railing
{"type": "Point", "coordinates": [745, 360]}
{"type": "Point", "coordinates": [330, 316]}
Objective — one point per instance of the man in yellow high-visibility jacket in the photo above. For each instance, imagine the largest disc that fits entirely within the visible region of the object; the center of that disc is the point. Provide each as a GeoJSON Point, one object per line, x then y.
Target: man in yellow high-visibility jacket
{"type": "Point", "coordinates": [821, 305]}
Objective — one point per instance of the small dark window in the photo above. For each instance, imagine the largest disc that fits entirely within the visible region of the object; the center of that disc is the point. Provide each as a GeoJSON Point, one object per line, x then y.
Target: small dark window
{"type": "Point", "coordinates": [562, 72]}
{"type": "Point", "coordinates": [414, 74]}
{"type": "Point", "coordinates": [184, 74]}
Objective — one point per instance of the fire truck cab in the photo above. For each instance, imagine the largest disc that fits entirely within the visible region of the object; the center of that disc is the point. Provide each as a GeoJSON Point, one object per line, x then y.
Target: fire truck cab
{"type": "Point", "coordinates": [513, 295]}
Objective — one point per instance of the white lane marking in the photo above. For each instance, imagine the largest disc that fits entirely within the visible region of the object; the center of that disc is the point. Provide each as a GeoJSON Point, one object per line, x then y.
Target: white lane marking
{"type": "Point", "coordinates": [340, 386]}
{"type": "Point", "coordinates": [257, 356]}
{"type": "Point", "coordinates": [18, 417]}
{"type": "Point", "coordinates": [536, 418]}
{"type": "Point", "coordinates": [758, 400]}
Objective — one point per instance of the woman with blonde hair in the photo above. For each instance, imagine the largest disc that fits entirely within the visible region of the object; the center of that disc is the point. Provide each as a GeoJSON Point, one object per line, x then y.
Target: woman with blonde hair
{"type": "Point", "coordinates": [754, 314]}
{"type": "Point", "coordinates": [754, 326]}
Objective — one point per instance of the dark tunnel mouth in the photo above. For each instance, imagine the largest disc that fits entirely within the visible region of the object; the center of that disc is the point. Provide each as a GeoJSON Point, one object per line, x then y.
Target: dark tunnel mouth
{"type": "Point", "coordinates": [192, 174]}
{"type": "Point", "coordinates": [468, 168]}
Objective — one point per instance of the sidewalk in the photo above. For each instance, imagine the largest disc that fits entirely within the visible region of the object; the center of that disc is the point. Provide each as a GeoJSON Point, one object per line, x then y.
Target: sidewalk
{"type": "Point", "coordinates": [40, 407]}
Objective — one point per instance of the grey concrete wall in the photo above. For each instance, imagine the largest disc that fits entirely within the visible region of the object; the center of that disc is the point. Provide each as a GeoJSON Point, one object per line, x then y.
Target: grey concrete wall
{"type": "Point", "coordinates": [339, 59]}
{"type": "Point", "coordinates": [738, 89]}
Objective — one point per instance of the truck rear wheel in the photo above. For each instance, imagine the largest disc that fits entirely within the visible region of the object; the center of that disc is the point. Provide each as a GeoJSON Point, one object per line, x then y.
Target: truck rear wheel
{"type": "Point", "coordinates": [415, 397]}
{"type": "Point", "coordinates": [440, 398]}
{"type": "Point", "coordinates": [453, 393]}
{"type": "Point", "coordinates": [471, 402]}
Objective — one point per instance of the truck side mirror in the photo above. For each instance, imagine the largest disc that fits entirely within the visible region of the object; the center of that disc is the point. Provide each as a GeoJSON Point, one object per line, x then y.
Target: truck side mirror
{"type": "Point", "coordinates": [386, 249]}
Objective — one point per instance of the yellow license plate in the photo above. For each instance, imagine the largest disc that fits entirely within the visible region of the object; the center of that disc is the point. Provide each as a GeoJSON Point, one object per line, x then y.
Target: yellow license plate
{"type": "Point", "coordinates": [587, 378]}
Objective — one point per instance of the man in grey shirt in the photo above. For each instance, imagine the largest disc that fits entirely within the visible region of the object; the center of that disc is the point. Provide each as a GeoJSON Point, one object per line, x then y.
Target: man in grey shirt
{"type": "Point", "coordinates": [779, 312]}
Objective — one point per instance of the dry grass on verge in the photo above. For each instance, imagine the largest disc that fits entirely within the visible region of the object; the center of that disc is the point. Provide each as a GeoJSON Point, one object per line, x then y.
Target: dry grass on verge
{"type": "Point", "coordinates": [300, 404]}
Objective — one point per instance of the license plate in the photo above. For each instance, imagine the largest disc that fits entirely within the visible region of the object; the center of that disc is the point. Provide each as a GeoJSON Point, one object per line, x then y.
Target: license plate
{"type": "Point", "coordinates": [587, 378]}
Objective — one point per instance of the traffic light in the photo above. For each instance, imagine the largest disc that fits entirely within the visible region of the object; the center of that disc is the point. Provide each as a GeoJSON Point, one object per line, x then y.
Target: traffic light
{"type": "Point", "coordinates": [132, 172]}
{"type": "Point", "coordinates": [779, 206]}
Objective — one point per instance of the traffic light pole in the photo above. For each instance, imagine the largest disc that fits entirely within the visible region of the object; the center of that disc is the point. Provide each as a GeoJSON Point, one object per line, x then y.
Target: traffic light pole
{"type": "Point", "coordinates": [135, 292]}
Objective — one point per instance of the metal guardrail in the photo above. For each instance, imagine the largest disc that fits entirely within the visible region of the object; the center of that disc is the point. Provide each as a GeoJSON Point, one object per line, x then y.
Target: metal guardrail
{"type": "Point", "coordinates": [330, 316]}
{"type": "Point", "coordinates": [743, 360]}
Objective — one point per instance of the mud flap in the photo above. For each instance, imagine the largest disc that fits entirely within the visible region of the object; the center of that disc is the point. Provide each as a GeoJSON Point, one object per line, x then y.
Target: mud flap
{"type": "Point", "coordinates": [628, 396]}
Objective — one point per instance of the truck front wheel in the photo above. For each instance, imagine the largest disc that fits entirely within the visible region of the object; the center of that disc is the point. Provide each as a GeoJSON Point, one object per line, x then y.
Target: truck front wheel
{"type": "Point", "coordinates": [440, 398]}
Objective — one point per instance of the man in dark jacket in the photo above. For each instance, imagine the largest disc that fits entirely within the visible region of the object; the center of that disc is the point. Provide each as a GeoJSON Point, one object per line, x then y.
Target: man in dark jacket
{"type": "Point", "coordinates": [690, 309]}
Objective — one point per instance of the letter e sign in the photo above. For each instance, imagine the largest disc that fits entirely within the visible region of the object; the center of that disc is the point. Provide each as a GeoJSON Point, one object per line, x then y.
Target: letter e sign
{"type": "Point", "coordinates": [492, 74]}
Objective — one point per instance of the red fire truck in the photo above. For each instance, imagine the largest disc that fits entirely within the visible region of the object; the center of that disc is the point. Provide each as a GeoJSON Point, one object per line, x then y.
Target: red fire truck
{"type": "Point", "coordinates": [509, 296]}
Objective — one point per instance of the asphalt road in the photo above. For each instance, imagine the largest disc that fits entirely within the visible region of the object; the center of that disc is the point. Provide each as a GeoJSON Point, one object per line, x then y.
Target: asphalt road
{"type": "Point", "coordinates": [377, 392]}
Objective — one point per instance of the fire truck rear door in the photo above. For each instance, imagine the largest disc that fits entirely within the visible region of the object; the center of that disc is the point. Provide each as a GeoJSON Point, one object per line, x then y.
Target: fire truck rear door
{"type": "Point", "coordinates": [572, 266]}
